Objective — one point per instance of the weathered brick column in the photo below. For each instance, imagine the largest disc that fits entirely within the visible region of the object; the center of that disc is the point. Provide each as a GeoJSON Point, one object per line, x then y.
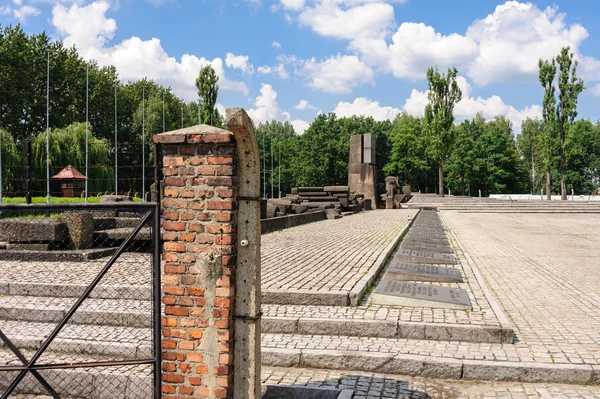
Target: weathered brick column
{"type": "Point", "coordinates": [211, 284]}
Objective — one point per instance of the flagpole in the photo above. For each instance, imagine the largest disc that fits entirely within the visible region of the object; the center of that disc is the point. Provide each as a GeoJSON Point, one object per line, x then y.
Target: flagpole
{"type": "Point", "coordinates": [48, 131]}
{"type": "Point", "coordinates": [163, 111]}
{"type": "Point", "coordinates": [264, 168]}
{"type": "Point", "coordinates": [116, 146]}
{"type": "Point", "coordinates": [87, 78]}
{"type": "Point", "coordinates": [143, 143]}
{"type": "Point", "coordinates": [272, 186]}
{"type": "Point", "coordinates": [182, 115]}
{"type": "Point", "coordinates": [279, 164]}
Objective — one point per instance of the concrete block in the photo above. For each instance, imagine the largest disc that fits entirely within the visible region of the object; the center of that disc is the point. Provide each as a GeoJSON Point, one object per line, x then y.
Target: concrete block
{"type": "Point", "coordinates": [464, 333]}
{"type": "Point", "coordinates": [526, 372]}
{"type": "Point", "coordinates": [410, 330]}
{"type": "Point", "coordinates": [28, 230]}
{"type": "Point", "coordinates": [349, 327]}
{"type": "Point", "coordinates": [345, 360]}
{"type": "Point", "coordinates": [423, 366]}
{"type": "Point", "coordinates": [299, 392]}
{"type": "Point", "coordinates": [279, 357]}
{"type": "Point", "coordinates": [289, 297]}
{"type": "Point", "coordinates": [279, 325]}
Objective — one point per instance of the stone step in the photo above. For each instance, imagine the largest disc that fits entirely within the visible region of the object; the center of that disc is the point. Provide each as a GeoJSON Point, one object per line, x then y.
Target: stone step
{"type": "Point", "coordinates": [122, 342]}
{"type": "Point", "coordinates": [124, 382]}
{"type": "Point", "coordinates": [427, 359]}
{"type": "Point", "coordinates": [121, 233]}
{"type": "Point", "coordinates": [141, 292]}
{"type": "Point", "coordinates": [93, 311]}
{"type": "Point", "coordinates": [356, 325]}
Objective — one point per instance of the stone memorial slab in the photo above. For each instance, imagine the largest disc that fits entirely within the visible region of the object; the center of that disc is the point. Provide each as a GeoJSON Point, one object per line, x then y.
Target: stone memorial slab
{"type": "Point", "coordinates": [426, 257]}
{"type": "Point", "coordinates": [429, 233]}
{"type": "Point", "coordinates": [423, 246]}
{"type": "Point", "coordinates": [406, 271]}
{"type": "Point", "coordinates": [433, 230]}
{"type": "Point", "coordinates": [422, 238]}
{"type": "Point", "coordinates": [401, 293]}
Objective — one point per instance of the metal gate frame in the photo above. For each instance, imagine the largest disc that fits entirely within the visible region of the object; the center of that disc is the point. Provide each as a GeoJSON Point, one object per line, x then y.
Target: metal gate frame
{"type": "Point", "coordinates": [152, 213]}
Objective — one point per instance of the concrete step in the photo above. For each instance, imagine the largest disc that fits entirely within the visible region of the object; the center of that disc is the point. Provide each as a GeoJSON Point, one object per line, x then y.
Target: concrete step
{"type": "Point", "coordinates": [121, 342]}
{"type": "Point", "coordinates": [93, 311]}
{"type": "Point", "coordinates": [425, 359]}
{"type": "Point", "coordinates": [121, 233]}
{"type": "Point", "coordinates": [141, 292]}
{"type": "Point", "coordinates": [321, 322]}
{"type": "Point", "coordinates": [126, 382]}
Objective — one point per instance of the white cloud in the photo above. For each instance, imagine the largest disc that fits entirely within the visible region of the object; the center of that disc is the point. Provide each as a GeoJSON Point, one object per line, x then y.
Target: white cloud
{"type": "Point", "coordinates": [304, 104]}
{"type": "Point", "coordinates": [337, 74]}
{"type": "Point", "coordinates": [300, 126]}
{"type": "Point", "coordinates": [469, 106]}
{"type": "Point", "coordinates": [363, 106]}
{"type": "Point", "coordinates": [266, 109]}
{"type": "Point", "coordinates": [239, 62]}
{"type": "Point", "coordinates": [293, 4]}
{"type": "Point", "coordinates": [276, 45]}
{"type": "Point", "coordinates": [20, 13]}
{"type": "Point", "coordinates": [327, 18]}
{"type": "Point", "coordinates": [88, 28]}
{"type": "Point", "coordinates": [278, 70]}
{"type": "Point", "coordinates": [503, 46]}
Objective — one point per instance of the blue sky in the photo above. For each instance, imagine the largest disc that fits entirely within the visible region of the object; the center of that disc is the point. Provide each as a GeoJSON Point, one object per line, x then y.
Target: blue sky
{"type": "Point", "coordinates": [290, 59]}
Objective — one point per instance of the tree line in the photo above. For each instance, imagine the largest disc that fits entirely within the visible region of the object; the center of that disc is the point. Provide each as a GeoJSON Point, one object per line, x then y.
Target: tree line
{"type": "Point", "coordinates": [431, 153]}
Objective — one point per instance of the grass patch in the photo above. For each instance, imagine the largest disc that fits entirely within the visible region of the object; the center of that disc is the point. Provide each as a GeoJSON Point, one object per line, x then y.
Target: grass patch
{"type": "Point", "coordinates": [55, 200]}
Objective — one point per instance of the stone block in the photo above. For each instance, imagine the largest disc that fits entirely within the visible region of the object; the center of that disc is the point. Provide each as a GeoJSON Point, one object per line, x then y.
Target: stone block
{"type": "Point", "coordinates": [336, 189]}
{"type": "Point", "coordinates": [407, 271]}
{"type": "Point", "coordinates": [116, 198]}
{"type": "Point", "coordinates": [424, 366]}
{"type": "Point", "coordinates": [349, 327]}
{"type": "Point", "coordinates": [526, 372]}
{"type": "Point", "coordinates": [280, 357]}
{"type": "Point", "coordinates": [422, 246]}
{"type": "Point", "coordinates": [345, 360]}
{"type": "Point", "coordinates": [398, 293]}
{"type": "Point", "coordinates": [299, 208]}
{"type": "Point", "coordinates": [406, 190]}
{"type": "Point", "coordinates": [30, 246]}
{"type": "Point", "coordinates": [425, 257]}
{"type": "Point", "coordinates": [355, 149]}
{"type": "Point", "coordinates": [299, 392]}
{"type": "Point", "coordinates": [81, 228]}
{"type": "Point", "coordinates": [332, 214]}
{"type": "Point", "coordinates": [33, 230]}
{"type": "Point", "coordinates": [279, 325]}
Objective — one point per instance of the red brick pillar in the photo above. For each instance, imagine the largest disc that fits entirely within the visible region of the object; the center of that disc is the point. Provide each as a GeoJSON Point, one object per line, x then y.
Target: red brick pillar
{"type": "Point", "coordinates": [199, 257]}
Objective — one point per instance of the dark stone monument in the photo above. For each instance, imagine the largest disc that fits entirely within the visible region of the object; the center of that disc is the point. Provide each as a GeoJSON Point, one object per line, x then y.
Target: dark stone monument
{"type": "Point", "coordinates": [406, 271]}
{"type": "Point", "coordinates": [425, 257]}
{"type": "Point", "coordinates": [362, 172]}
{"type": "Point", "coordinates": [399, 293]}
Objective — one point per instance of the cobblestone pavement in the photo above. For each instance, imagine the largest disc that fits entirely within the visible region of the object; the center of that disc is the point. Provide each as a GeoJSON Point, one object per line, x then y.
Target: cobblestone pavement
{"type": "Point", "coordinates": [375, 386]}
{"type": "Point", "coordinates": [544, 271]}
{"type": "Point", "coordinates": [331, 255]}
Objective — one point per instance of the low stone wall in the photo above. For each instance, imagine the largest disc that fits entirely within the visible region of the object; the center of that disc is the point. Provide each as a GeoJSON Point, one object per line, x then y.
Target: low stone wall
{"type": "Point", "coordinates": [285, 222]}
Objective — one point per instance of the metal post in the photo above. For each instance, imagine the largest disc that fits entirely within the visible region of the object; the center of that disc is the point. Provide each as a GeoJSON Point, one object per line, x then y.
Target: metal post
{"type": "Point", "coordinates": [48, 131]}
{"type": "Point", "coordinates": [156, 282]}
{"type": "Point", "coordinates": [87, 93]}
{"type": "Point", "coordinates": [264, 168]}
{"type": "Point", "coordinates": [182, 115]}
{"type": "Point", "coordinates": [143, 143]}
{"type": "Point", "coordinates": [28, 172]}
{"type": "Point", "coordinates": [279, 166]}
{"type": "Point", "coordinates": [116, 146]}
{"type": "Point", "coordinates": [163, 111]}
{"type": "Point", "coordinates": [0, 160]}
{"type": "Point", "coordinates": [272, 186]}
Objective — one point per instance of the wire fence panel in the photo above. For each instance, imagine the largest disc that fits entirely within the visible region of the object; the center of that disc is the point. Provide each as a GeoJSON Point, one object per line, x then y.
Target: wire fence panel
{"type": "Point", "coordinates": [80, 300]}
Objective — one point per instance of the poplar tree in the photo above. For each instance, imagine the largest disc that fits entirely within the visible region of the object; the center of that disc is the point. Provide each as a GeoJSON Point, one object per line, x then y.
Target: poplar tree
{"type": "Point", "coordinates": [570, 86]}
{"type": "Point", "coordinates": [443, 95]}
{"type": "Point", "coordinates": [548, 136]}
{"type": "Point", "coordinates": [208, 90]}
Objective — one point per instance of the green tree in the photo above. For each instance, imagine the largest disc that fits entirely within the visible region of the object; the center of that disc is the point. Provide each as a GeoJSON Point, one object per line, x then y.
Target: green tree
{"type": "Point", "coordinates": [208, 91]}
{"type": "Point", "coordinates": [277, 144]}
{"type": "Point", "coordinates": [528, 146]}
{"type": "Point", "coordinates": [408, 158]}
{"type": "Point", "coordinates": [569, 86]}
{"type": "Point", "coordinates": [12, 166]}
{"type": "Point", "coordinates": [548, 137]}
{"type": "Point", "coordinates": [443, 95]}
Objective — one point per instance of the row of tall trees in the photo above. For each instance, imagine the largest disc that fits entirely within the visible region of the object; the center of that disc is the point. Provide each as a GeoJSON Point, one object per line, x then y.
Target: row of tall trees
{"type": "Point", "coordinates": [45, 85]}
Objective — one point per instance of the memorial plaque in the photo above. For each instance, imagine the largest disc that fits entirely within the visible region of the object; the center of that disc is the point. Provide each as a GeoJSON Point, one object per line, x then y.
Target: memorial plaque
{"type": "Point", "coordinates": [429, 233]}
{"type": "Point", "coordinates": [424, 246]}
{"type": "Point", "coordinates": [422, 238]}
{"type": "Point", "coordinates": [425, 257]}
{"type": "Point", "coordinates": [406, 271]}
{"type": "Point", "coordinates": [400, 293]}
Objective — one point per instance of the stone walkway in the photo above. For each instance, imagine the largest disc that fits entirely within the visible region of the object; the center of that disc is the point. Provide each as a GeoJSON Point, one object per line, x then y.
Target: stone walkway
{"type": "Point", "coordinates": [376, 386]}
{"type": "Point", "coordinates": [329, 257]}
{"type": "Point", "coordinates": [544, 271]}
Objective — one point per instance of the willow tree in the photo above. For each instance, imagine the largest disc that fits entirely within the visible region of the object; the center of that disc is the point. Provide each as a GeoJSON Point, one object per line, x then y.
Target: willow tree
{"type": "Point", "coordinates": [67, 147]}
{"type": "Point", "coordinates": [548, 135]}
{"type": "Point", "coordinates": [443, 95]}
{"type": "Point", "coordinates": [570, 86]}
{"type": "Point", "coordinates": [12, 166]}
